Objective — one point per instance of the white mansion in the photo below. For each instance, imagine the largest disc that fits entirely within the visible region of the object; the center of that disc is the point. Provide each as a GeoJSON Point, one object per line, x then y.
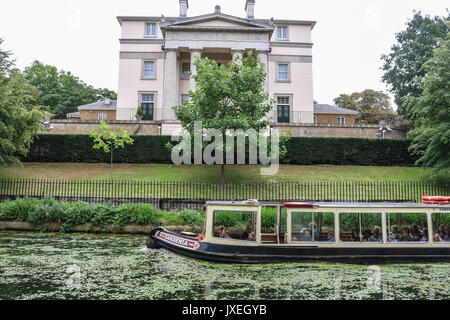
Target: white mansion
{"type": "Point", "coordinates": [157, 53]}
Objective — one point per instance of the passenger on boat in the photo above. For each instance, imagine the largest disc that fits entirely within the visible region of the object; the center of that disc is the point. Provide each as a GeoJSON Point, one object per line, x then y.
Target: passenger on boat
{"type": "Point", "coordinates": [366, 235]}
{"type": "Point", "coordinates": [447, 234]}
{"type": "Point", "coordinates": [416, 234]}
{"type": "Point", "coordinates": [424, 235]}
{"type": "Point", "coordinates": [376, 235]}
{"type": "Point", "coordinates": [437, 238]}
{"type": "Point", "coordinates": [312, 226]}
{"type": "Point", "coordinates": [441, 231]}
{"type": "Point", "coordinates": [251, 236]}
{"type": "Point", "coordinates": [223, 232]}
{"type": "Point", "coordinates": [405, 235]}
{"type": "Point", "coordinates": [244, 235]}
{"type": "Point", "coordinates": [355, 236]}
{"type": "Point", "coordinates": [331, 236]}
{"type": "Point", "coordinates": [307, 235]}
{"type": "Point", "coordinates": [395, 233]}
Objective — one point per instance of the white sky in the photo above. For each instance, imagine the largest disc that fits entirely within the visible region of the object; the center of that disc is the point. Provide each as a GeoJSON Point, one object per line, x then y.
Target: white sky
{"type": "Point", "coordinates": [81, 36]}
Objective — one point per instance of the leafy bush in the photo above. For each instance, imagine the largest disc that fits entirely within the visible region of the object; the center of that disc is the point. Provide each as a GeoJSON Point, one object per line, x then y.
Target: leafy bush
{"type": "Point", "coordinates": [40, 212]}
{"type": "Point", "coordinates": [47, 210]}
{"type": "Point", "coordinates": [18, 209]}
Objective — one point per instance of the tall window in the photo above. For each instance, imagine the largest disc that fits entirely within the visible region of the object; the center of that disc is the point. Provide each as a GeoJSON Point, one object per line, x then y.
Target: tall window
{"type": "Point", "coordinates": [235, 225]}
{"type": "Point", "coordinates": [102, 116]}
{"type": "Point", "coordinates": [405, 227]}
{"type": "Point", "coordinates": [441, 227]}
{"type": "Point", "coordinates": [282, 33]}
{"type": "Point", "coordinates": [150, 29]}
{"type": "Point", "coordinates": [283, 71]}
{"type": "Point", "coordinates": [149, 69]}
{"type": "Point", "coordinates": [360, 227]}
{"type": "Point", "coordinates": [148, 106]}
{"type": "Point", "coordinates": [186, 68]}
{"type": "Point", "coordinates": [283, 109]}
{"type": "Point", "coordinates": [341, 120]}
{"type": "Point", "coordinates": [312, 226]}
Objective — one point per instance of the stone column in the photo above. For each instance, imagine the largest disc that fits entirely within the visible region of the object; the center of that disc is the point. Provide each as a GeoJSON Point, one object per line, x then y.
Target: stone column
{"type": "Point", "coordinates": [170, 85]}
{"type": "Point", "coordinates": [194, 55]}
{"type": "Point", "coordinates": [237, 53]}
{"type": "Point", "coordinates": [263, 56]}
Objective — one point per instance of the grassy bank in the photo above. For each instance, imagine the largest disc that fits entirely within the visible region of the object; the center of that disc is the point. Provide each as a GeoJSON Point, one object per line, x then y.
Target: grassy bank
{"type": "Point", "coordinates": [211, 174]}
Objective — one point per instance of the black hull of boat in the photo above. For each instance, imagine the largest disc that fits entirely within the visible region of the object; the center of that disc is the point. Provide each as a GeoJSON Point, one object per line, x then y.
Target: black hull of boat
{"type": "Point", "coordinates": [275, 254]}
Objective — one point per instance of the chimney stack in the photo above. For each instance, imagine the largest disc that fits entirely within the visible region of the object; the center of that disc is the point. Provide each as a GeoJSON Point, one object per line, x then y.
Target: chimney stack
{"type": "Point", "coordinates": [184, 6]}
{"type": "Point", "coordinates": [250, 9]}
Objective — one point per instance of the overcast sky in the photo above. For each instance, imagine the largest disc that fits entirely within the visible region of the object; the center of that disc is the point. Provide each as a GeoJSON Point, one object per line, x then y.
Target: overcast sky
{"type": "Point", "coordinates": [81, 36]}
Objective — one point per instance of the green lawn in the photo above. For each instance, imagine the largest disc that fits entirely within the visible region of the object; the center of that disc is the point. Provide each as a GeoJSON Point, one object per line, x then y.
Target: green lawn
{"type": "Point", "coordinates": [159, 172]}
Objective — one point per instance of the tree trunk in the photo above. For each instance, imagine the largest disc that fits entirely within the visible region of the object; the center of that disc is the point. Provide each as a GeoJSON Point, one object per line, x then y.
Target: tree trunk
{"type": "Point", "coordinates": [222, 174]}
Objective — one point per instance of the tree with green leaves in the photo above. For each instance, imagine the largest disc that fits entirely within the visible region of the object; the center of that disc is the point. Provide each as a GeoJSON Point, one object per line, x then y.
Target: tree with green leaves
{"type": "Point", "coordinates": [403, 65]}
{"type": "Point", "coordinates": [431, 112]}
{"type": "Point", "coordinates": [20, 116]}
{"type": "Point", "coordinates": [373, 106]}
{"type": "Point", "coordinates": [62, 91]}
{"type": "Point", "coordinates": [109, 140]}
{"type": "Point", "coordinates": [227, 98]}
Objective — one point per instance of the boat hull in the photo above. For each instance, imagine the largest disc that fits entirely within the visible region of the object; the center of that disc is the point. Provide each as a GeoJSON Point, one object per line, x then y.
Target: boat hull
{"type": "Point", "coordinates": [279, 253]}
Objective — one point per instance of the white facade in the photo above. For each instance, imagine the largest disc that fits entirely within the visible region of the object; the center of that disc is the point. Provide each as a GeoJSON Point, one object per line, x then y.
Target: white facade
{"type": "Point", "coordinates": [157, 52]}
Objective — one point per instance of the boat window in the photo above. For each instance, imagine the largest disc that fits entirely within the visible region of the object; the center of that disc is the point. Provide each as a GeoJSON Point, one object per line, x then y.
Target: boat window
{"type": "Point", "coordinates": [235, 225]}
{"type": "Point", "coordinates": [441, 227]}
{"type": "Point", "coordinates": [312, 226]}
{"type": "Point", "coordinates": [406, 227]}
{"type": "Point", "coordinates": [269, 217]}
{"type": "Point", "coordinates": [360, 227]}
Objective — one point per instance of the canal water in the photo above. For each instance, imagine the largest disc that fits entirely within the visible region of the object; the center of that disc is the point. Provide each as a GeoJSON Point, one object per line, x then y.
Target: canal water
{"type": "Point", "coordinates": [89, 266]}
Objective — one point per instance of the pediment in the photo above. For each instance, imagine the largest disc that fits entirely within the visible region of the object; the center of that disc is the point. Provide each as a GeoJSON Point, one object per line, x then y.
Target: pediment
{"type": "Point", "coordinates": [219, 21]}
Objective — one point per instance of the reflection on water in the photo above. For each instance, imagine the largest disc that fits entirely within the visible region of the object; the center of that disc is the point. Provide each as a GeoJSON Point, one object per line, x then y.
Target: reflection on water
{"type": "Point", "coordinates": [85, 266]}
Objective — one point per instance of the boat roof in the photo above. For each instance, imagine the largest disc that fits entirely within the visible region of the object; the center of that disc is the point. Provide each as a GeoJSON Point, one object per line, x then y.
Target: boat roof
{"type": "Point", "coordinates": [253, 203]}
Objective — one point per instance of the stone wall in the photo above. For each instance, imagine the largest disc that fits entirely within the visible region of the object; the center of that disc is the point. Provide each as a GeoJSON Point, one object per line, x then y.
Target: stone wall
{"type": "Point", "coordinates": [83, 126]}
{"type": "Point", "coordinates": [338, 131]}
{"type": "Point", "coordinates": [166, 128]}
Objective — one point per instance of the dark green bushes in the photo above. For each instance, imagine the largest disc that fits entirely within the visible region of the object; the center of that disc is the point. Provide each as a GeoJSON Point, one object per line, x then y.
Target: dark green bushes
{"type": "Point", "coordinates": [300, 150]}
{"type": "Point", "coordinates": [40, 212]}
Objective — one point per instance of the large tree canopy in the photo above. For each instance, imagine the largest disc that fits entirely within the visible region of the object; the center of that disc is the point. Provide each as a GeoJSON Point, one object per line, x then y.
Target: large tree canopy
{"type": "Point", "coordinates": [431, 112]}
{"type": "Point", "coordinates": [62, 91]}
{"type": "Point", "coordinates": [373, 106]}
{"type": "Point", "coordinates": [20, 117]}
{"type": "Point", "coordinates": [227, 98]}
{"type": "Point", "coordinates": [403, 65]}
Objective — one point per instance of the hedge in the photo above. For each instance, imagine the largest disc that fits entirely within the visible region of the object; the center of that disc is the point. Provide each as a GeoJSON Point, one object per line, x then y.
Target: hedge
{"type": "Point", "coordinates": [301, 151]}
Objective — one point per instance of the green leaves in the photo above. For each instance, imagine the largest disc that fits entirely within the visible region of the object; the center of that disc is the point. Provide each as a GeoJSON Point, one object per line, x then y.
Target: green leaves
{"type": "Point", "coordinates": [431, 112]}
{"type": "Point", "coordinates": [227, 98]}
{"type": "Point", "coordinates": [109, 140]}
{"type": "Point", "coordinates": [403, 65]}
{"type": "Point", "coordinates": [20, 117]}
{"type": "Point", "coordinates": [62, 91]}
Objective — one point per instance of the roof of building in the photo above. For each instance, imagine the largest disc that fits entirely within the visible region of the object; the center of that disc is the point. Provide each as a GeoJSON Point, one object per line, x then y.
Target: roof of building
{"type": "Point", "coordinates": [330, 109]}
{"type": "Point", "coordinates": [173, 19]}
{"type": "Point", "coordinates": [73, 115]}
{"type": "Point", "coordinates": [105, 104]}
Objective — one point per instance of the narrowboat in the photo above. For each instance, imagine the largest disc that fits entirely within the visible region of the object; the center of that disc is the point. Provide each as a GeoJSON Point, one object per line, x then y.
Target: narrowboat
{"type": "Point", "coordinates": [258, 232]}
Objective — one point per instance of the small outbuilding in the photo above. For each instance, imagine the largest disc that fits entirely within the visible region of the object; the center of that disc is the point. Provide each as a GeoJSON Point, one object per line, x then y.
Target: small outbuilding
{"type": "Point", "coordinates": [104, 109]}
{"type": "Point", "coordinates": [329, 114]}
